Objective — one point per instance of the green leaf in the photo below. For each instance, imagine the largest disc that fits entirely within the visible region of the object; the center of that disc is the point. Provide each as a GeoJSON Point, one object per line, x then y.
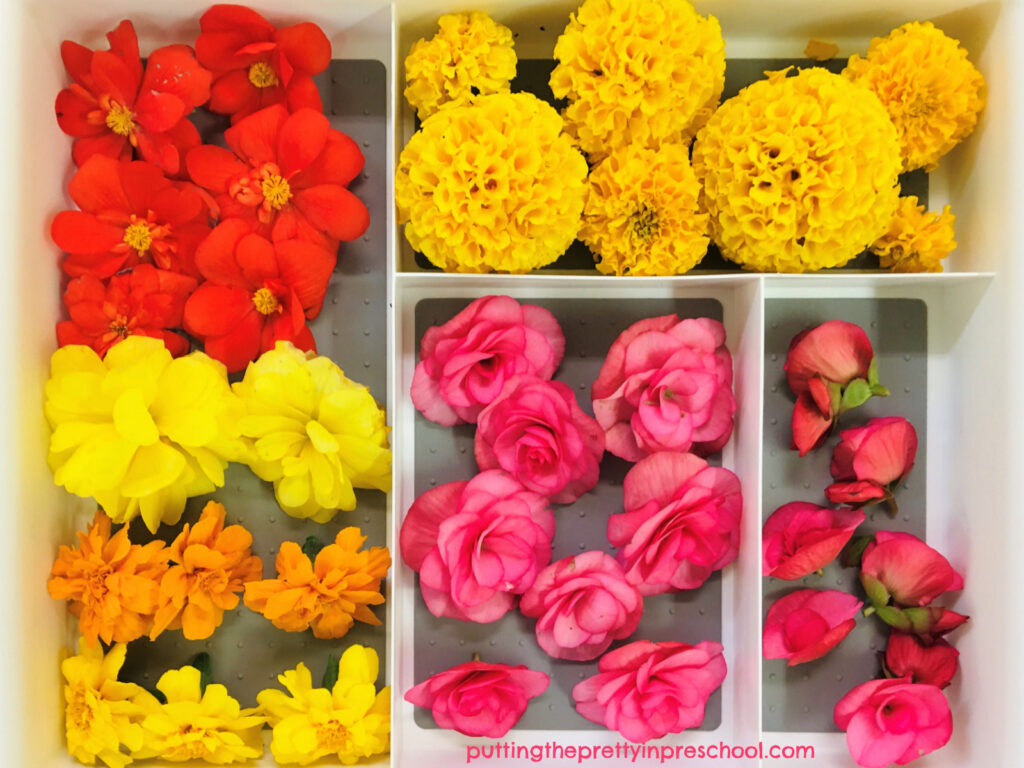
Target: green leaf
{"type": "Point", "coordinates": [856, 394]}
{"type": "Point", "coordinates": [201, 661]}
{"type": "Point", "coordinates": [854, 551]}
{"type": "Point", "coordinates": [158, 695]}
{"type": "Point", "coordinates": [330, 673]}
{"type": "Point", "coordinates": [312, 546]}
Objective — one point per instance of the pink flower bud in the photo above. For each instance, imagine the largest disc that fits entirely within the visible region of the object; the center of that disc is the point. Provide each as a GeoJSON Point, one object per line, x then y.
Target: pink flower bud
{"type": "Point", "coordinates": [800, 538]}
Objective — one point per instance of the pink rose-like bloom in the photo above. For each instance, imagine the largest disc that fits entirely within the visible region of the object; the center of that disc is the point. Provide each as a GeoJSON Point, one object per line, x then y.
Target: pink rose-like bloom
{"type": "Point", "coordinates": [907, 656]}
{"type": "Point", "coordinates": [800, 538]}
{"type": "Point", "coordinates": [646, 690]}
{"type": "Point", "coordinates": [893, 721]}
{"type": "Point", "coordinates": [666, 385]}
{"type": "Point", "coordinates": [479, 699]}
{"type": "Point", "coordinates": [536, 432]}
{"type": "Point", "coordinates": [582, 604]}
{"type": "Point", "coordinates": [807, 624]}
{"type": "Point", "coordinates": [465, 363]}
{"type": "Point", "coordinates": [477, 544]}
{"type": "Point", "coordinates": [902, 567]}
{"type": "Point", "coordinates": [871, 461]}
{"type": "Point", "coordinates": [820, 363]}
{"type": "Point", "coordinates": [682, 522]}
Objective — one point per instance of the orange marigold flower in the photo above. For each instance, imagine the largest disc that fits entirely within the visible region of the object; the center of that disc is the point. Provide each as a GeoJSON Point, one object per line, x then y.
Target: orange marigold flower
{"type": "Point", "coordinates": [112, 584]}
{"type": "Point", "coordinates": [326, 595]}
{"type": "Point", "coordinates": [212, 564]}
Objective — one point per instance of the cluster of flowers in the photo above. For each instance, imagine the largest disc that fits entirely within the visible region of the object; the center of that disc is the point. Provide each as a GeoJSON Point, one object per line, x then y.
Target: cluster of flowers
{"type": "Point", "coordinates": [662, 399]}
{"type": "Point", "coordinates": [831, 369]}
{"type": "Point", "coordinates": [178, 244]}
{"type": "Point", "coordinates": [187, 717]}
{"type": "Point", "coordinates": [809, 185]}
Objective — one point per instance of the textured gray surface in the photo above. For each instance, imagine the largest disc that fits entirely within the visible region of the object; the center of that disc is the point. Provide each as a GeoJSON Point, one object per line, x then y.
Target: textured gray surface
{"type": "Point", "coordinates": [247, 651]}
{"type": "Point", "coordinates": [445, 455]}
{"type": "Point", "coordinates": [801, 698]}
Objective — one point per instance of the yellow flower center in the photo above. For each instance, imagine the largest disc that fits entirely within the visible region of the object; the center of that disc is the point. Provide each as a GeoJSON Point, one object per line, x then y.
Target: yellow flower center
{"type": "Point", "coordinates": [276, 191]}
{"type": "Point", "coordinates": [332, 736]}
{"type": "Point", "coordinates": [645, 224]}
{"type": "Point", "coordinates": [262, 75]}
{"type": "Point", "coordinates": [138, 236]}
{"type": "Point", "coordinates": [190, 744]}
{"type": "Point", "coordinates": [79, 711]}
{"type": "Point", "coordinates": [265, 301]}
{"type": "Point", "coordinates": [119, 120]}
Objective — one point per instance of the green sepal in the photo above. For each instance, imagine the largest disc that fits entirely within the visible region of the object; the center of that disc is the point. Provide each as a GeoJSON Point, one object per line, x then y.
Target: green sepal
{"type": "Point", "coordinates": [311, 547]}
{"type": "Point", "coordinates": [894, 617]}
{"type": "Point", "coordinates": [873, 372]}
{"type": "Point", "coordinates": [330, 673]}
{"type": "Point", "coordinates": [854, 551]}
{"type": "Point", "coordinates": [857, 393]}
{"type": "Point", "coordinates": [878, 595]}
{"type": "Point", "coordinates": [201, 661]}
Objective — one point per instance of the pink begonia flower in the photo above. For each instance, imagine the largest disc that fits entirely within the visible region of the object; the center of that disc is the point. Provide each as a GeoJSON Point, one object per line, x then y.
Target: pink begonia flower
{"type": "Point", "coordinates": [831, 369]}
{"type": "Point", "coordinates": [682, 522]}
{"type": "Point", "coordinates": [477, 544]}
{"type": "Point", "coordinates": [536, 432]}
{"type": "Point", "coordinates": [893, 721]}
{"type": "Point", "coordinates": [902, 567]}
{"type": "Point", "coordinates": [870, 462]}
{"type": "Point", "coordinates": [479, 699]}
{"type": "Point", "coordinates": [800, 538]}
{"type": "Point", "coordinates": [666, 385]}
{"type": "Point", "coordinates": [907, 656]}
{"type": "Point", "coordinates": [646, 690]}
{"type": "Point", "coordinates": [806, 624]}
{"type": "Point", "coordinates": [465, 363]}
{"type": "Point", "coordinates": [582, 604]}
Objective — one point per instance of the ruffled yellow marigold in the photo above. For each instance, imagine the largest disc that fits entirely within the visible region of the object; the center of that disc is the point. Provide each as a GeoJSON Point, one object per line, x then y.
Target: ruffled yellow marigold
{"type": "Point", "coordinates": [102, 715]}
{"type": "Point", "coordinates": [492, 186]}
{"type": "Point", "coordinates": [138, 430]}
{"type": "Point", "coordinates": [199, 725]}
{"type": "Point", "coordinates": [328, 594]}
{"type": "Point", "coordinates": [916, 240]}
{"type": "Point", "coordinates": [642, 215]}
{"type": "Point", "coordinates": [930, 89]}
{"type": "Point", "coordinates": [470, 55]}
{"type": "Point", "coordinates": [350, 721]}
{"type": "Point", "coordinates": [638, 72]}
{"type": "Point", "coordinates": [316, 434]}
{"type": "Point", "coordinates": [211, 565]}
{"type": "Point", "coordinates": [111, 584]}
{"type": "Point", "coordinates": [799, 173]}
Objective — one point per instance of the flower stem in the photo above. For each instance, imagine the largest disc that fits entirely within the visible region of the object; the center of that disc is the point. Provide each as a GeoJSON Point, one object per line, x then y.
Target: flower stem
{"type": "Point", "coordinates": [476, 656]}
{"type": "Point", "coordinates": [891, 506]}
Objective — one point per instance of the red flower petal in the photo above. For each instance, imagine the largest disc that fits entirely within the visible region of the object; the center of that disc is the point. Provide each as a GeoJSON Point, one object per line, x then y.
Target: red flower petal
{"type": "Point", "coordinates": [302, 93]}
{"type": "Point", "coordinates": [255, 138]}
{"type": "Point", "coordinates": [338, 163]}
{"type": "Point", "coordinates": [174, 70]}
{"type": "Point", "coordinates": [232, 94]}
{"type": "Point", "coordinates": [124, 44]}
{"type": "Point", "coordinates": [77, 61]}
{"type": "Point", "coordinates": [141, 183]}
{"type": "Point", "coordinates": [114, 76]}
{"type": "Point", "coordinates": [73, 110]}
{"type": "Point", "coordinates": [214, 167]}
{"type": "Point", "coordinates": [256, 258]}
{"type": "Point", "coordinates": [239, 347]}
{"type": "Point", "coordinates": [228, 17]}
{"type": "Point", "coordinates": [809, 425]}
{"type": "Point", "coordinates": [836, 350]}
{"type": "Point", "coordinates": [218, 310]}
{"type": "Point", "coordinates": [302, 138]}
{"type": "Point", "coordinates": [176, 344]}
{"type": "Point", "coordinates": [96, 187]}
{"type": "Point", "coordinates": [106, 144]}
{"type": "Point", "coordinates": [334, 210]}
{"type": "Point", "coordinates": [306, 47]}
{"type": "Point", "coordinates": [215, 256]}
{"type": "Point", "coordinates": [307, 269]}
{"type": "Point", "coordinates": [158, 112]}
{"type": "Point", "coordinates": [69, 333]}
{"type": "Point", "coordinates": [78, 232]}
{"type": "Point", "coordinates": [184, 137]}
{"type": "Point", "coordinates": [158, 149]}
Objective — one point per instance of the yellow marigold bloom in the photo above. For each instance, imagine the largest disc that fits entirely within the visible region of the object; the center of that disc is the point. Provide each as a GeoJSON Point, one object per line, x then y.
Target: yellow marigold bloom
{"type": "Point", "coordinates": [916, 240]}
{"type": "Point", "coordinates": [819, 50]}
{"type": "Point", "coordinates": [316, 434]}
{"type": "Point", "coordinates": [642, 215]}
{"type": "Point", "coordinates": [799, 173]}
{"type": "Point", "coordinates": [139, 430]}
{"type": "Point", "coordinates": [350, 721]}
{"type": "Point", "coordinates": [492, 186]}
{"type": "Point", "coordinates": [470, 55]}
{"type": "Point", "coordinates": [199, 725]}
{"type": "Point", "coordinates": [112, 584]}
{"type": "Point", "coordinates": [638, 72]}
{"type": "Point", "coordinates": [102, 715]}
{"type": "Point", "coordinates": [327, 595]}
{"type": "Point", "coordinates": [212, 564]}
{"type": "Point", "coordinates": [930, 89]}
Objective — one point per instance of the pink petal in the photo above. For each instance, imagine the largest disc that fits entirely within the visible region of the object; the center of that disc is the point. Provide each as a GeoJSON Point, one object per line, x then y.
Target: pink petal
{"type": "Point", "coordinates": [419, 529]}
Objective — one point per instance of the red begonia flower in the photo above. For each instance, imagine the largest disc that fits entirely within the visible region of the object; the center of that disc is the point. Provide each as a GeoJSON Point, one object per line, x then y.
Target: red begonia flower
{"type": "Point", "coordinates": [130, 213]}
{"type": "Point", "coordinates": [256, 65]}
{"type": "Point", "coordinates": [114, 105]}
{"type": "Point", "coordinates": [287, 175]}
{"type": "Point", "coordinates": [143, 302]}
{"type": "Point", "coordinates": [256, 293]}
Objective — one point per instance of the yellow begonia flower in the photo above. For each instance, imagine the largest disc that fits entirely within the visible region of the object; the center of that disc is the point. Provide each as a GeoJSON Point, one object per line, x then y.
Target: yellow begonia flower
{"type": "Point", "coordinates": [494, 186]}
{"type": "Point", "coordinates": [799, 173]}
{"type": "Point", "coordinates": [102, 715]}
{"type": "Point", "coordinates": [140, 431]}
{"type": "Point", "coordinates": [470, 55]}
{"type": "Point", "coordinates": [199, 725]}
{"type": "Point", "coordinates": [350, 721]}
{"type": "Point", "coordinates": [642, 215]}
{"type": "Point", "coordinates": [638, 72]}
{"type": "Point", "coordinates": [315, 433]}
{"type": "Point", "coordinates": [926, 83]}
{"type": "Point", "coordinates": [916, 240]}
